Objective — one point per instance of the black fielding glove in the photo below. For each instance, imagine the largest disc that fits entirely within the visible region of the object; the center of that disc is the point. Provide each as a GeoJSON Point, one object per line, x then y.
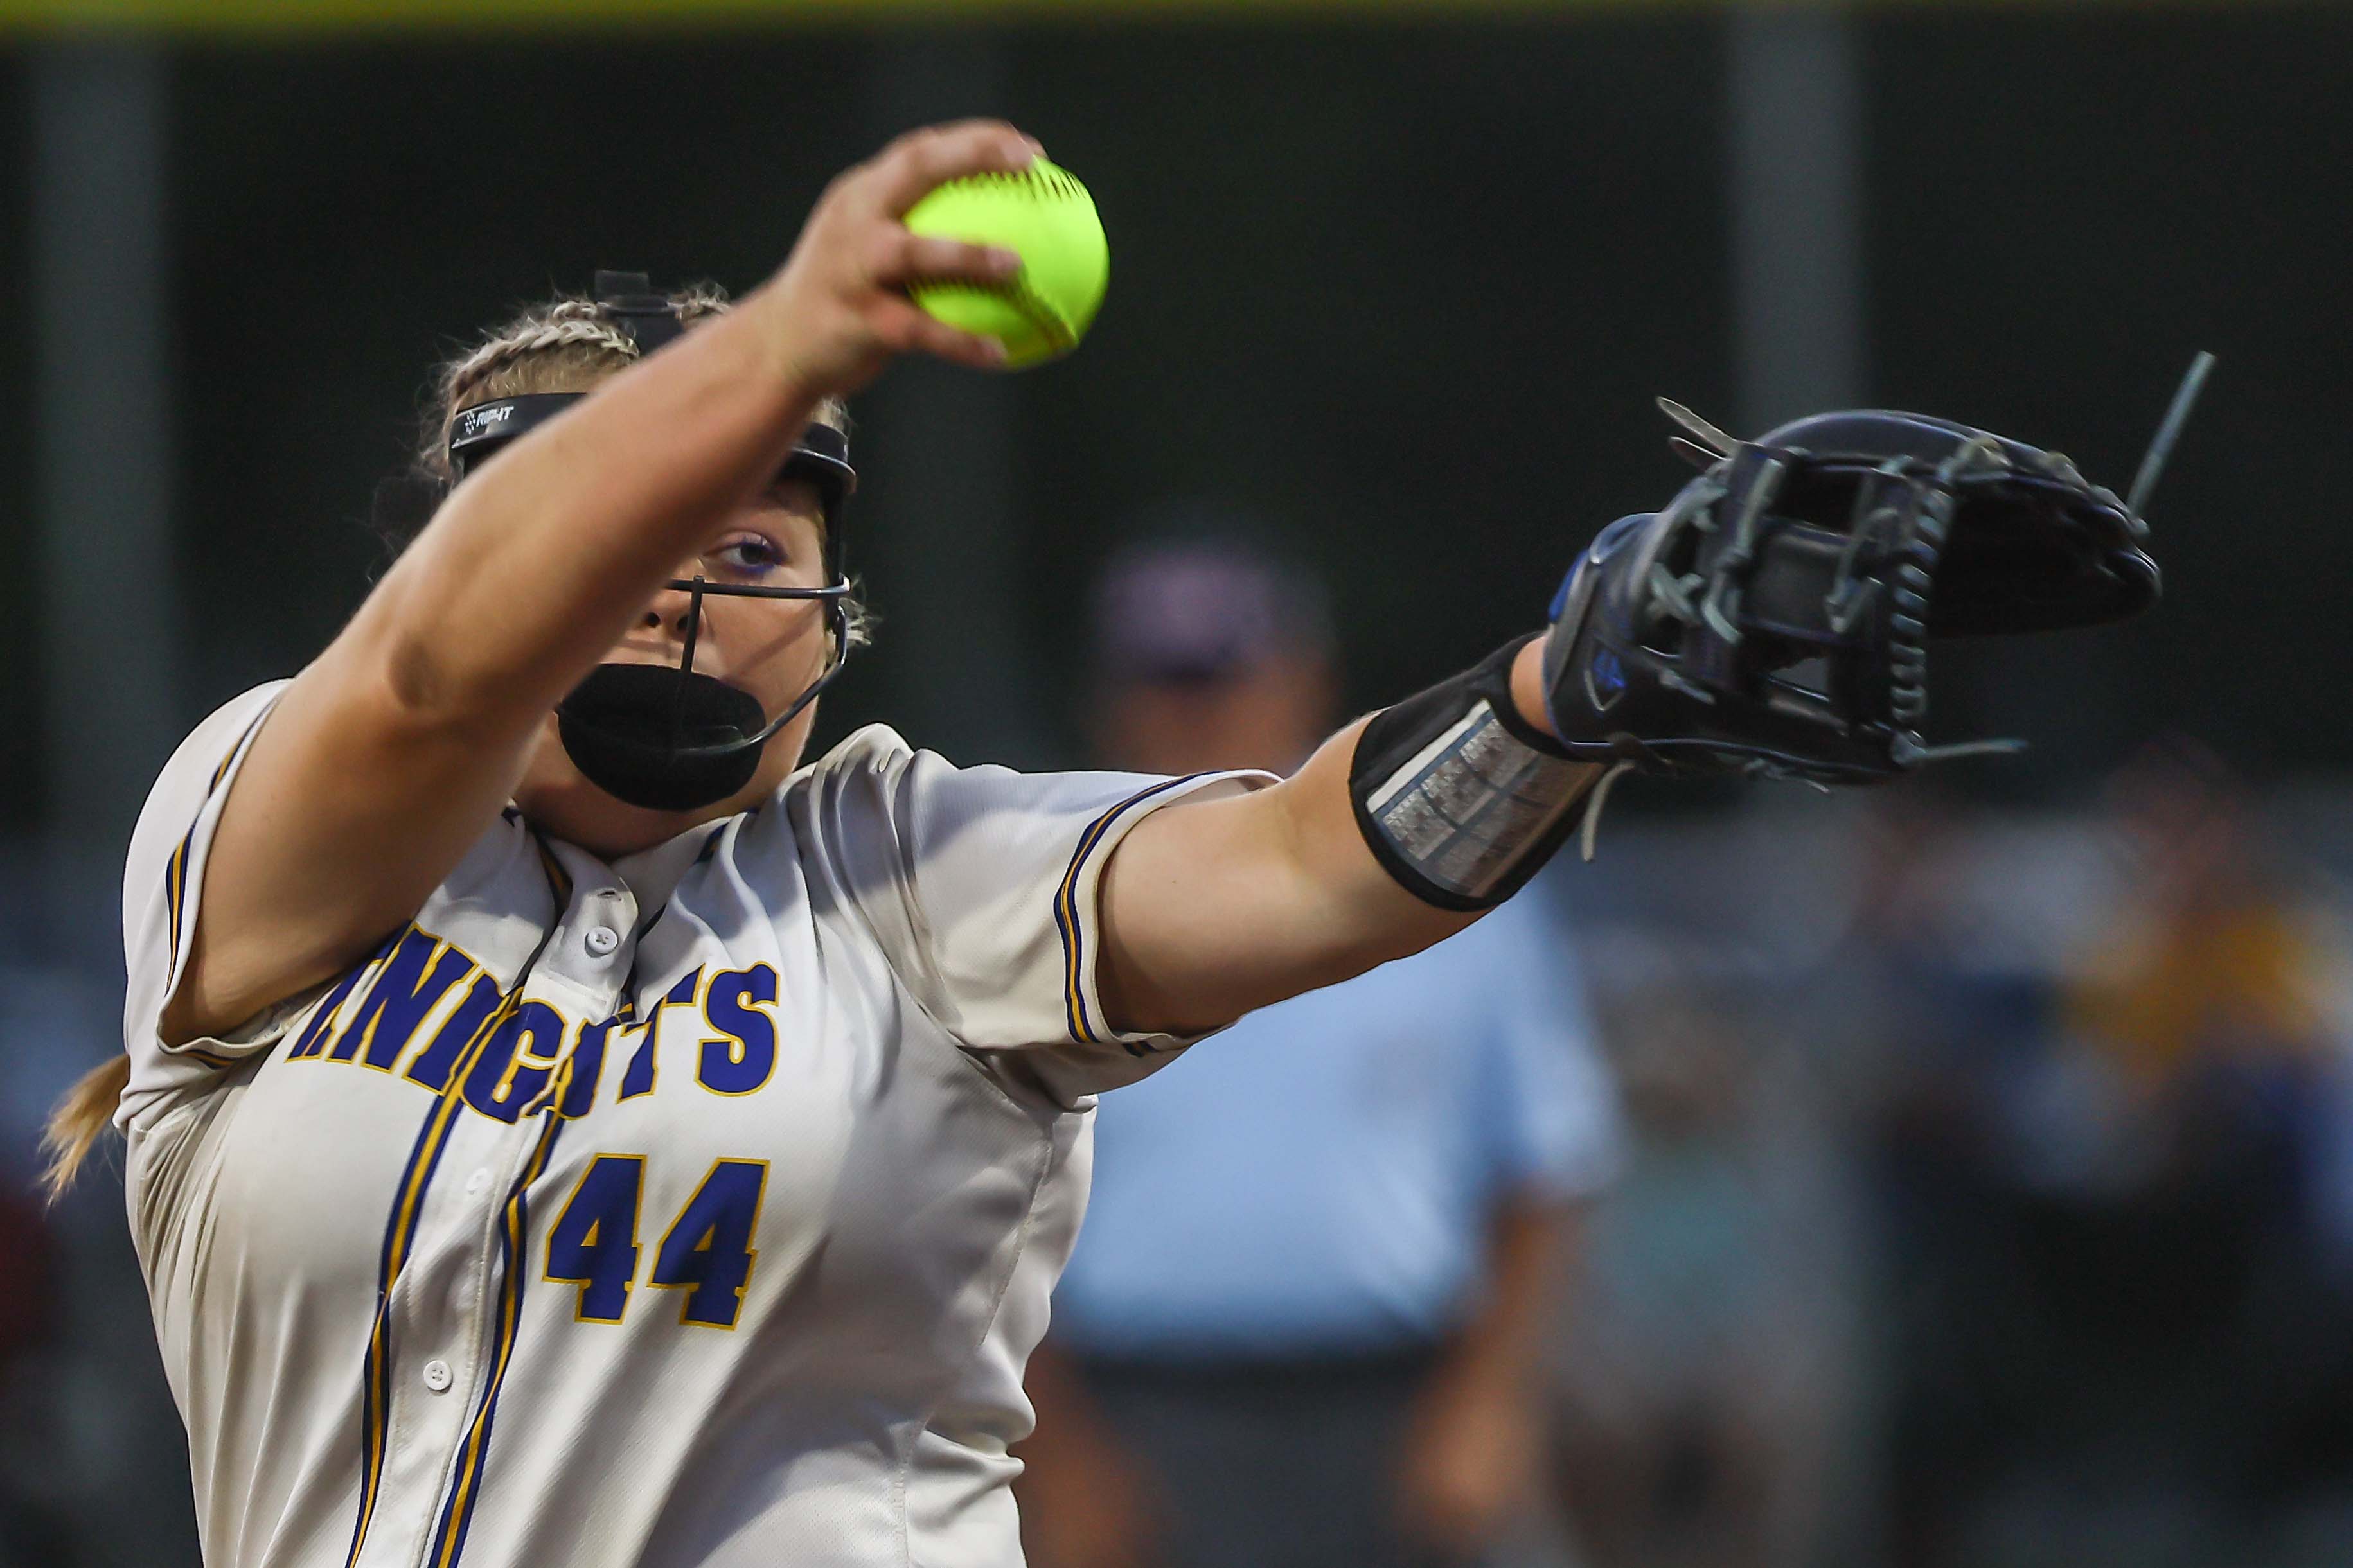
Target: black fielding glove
{"type": "Point", "coordinates": [1775, 620]}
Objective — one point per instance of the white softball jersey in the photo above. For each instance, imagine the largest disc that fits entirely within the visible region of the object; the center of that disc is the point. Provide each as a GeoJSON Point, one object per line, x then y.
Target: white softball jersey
{"type": "Point", "coordinates": [697, 1208]}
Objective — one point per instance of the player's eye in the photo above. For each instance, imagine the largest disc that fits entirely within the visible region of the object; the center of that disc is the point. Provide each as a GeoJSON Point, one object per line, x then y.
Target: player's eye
{"type": "Point", "coordinates": [751, 555]}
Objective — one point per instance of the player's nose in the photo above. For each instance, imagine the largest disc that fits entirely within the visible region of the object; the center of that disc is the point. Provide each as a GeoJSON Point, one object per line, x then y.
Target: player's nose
{"type": "Point", "coordinates": [671, 612]}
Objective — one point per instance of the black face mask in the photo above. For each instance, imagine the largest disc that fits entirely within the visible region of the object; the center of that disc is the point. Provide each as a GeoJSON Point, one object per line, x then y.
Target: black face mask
{"type": "Point", "coordinates": [663, 738]}
{"type": "Point", "coordinates": [666, 737]}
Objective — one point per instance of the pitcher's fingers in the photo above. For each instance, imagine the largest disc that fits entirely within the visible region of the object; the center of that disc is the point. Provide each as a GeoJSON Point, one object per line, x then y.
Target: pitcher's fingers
{"type": "Point", "coordinates": [908, 169]}
{"type": "Point", "coordinates": [913, 258]}
{"type": "Point", "coordinates": [904, 326]}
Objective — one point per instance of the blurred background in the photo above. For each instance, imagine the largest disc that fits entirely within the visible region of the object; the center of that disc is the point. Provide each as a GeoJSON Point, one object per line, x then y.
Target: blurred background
{"type": "Point", "coordinates": [1980, 1182]}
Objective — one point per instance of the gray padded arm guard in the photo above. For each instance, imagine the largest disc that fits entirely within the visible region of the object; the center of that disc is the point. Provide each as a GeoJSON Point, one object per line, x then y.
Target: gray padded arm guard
{"type": "Point", "coordinates": [1459, 797]}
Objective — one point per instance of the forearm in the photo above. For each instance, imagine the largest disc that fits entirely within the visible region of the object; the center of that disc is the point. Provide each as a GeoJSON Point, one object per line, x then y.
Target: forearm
{"type": "Point", "coordinates": [1068, 1427]}
{"type": "Point", "coordinates": [1504, 1333]}
{"type": "Point", "coordinates": [1470, 1452]}
{"type": "Point", "coordinates": [1346, 909]}
{"type": "Point", "coordinates": [1214, 910]}
{"type": "Point", "coordinates": [1084, 1501]}
{"type": "Point", "coordinates": [536, 565]}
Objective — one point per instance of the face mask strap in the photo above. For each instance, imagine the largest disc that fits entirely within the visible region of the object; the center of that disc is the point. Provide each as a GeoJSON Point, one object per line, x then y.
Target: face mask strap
{"type": "Point", "coordinates": [838, 621]}
{"type": "Point", "coordinates": [686, 659]}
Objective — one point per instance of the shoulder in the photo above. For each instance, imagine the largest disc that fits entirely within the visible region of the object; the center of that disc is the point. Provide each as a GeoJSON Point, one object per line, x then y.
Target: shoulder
{"type": "Point", "coordinates": [848, 786]}
{"type": "Point", "coordinates": [241, 709]}
{"type": "Point", "coordinates": [210, 747]}
{"type": "Point", "coordinates": [197, 768]}
{"type": "Point", "coordinates": [874, 780]}
{"type": "Point", "coordinates": [867, 748]}
{"type": "Point", "coordinates": [873, 789]}
{"type": "Point", "coordinates": [867, 758]}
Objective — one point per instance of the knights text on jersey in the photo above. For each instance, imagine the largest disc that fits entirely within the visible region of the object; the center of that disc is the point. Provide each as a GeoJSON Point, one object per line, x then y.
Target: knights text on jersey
{"type": "Point", "coordinates": [720, 1239]}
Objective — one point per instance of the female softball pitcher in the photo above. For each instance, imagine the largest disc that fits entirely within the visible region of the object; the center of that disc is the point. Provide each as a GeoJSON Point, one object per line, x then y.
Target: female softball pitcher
{"type": "Point", "coordinates": [564, 1128]}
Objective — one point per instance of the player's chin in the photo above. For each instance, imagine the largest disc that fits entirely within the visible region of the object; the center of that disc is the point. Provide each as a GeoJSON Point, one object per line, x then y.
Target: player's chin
{"type": "Point", "coordinates": [557, 800]}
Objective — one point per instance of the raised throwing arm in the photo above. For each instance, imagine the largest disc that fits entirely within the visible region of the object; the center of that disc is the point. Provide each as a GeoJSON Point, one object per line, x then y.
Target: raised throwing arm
{"type": "Point", "coordinates": [393, 751]}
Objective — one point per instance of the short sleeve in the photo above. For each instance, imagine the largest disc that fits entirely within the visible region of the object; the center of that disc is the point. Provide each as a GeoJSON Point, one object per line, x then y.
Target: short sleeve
{"type": "Point", "coordinates": [982, 885]}
{"type": "Point", "coordinates": [162, 884]}
{"type": "Point", "coordinates": [1555, 1125]}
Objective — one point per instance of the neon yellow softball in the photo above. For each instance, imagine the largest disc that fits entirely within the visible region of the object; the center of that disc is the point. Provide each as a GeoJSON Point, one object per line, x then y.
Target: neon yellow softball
{"type": "Point", "coordinates": [1044, 216]}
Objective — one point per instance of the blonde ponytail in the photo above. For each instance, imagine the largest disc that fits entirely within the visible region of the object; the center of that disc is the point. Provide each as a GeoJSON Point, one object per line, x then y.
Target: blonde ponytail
{"type": "Point", "coordinates": [79, 1121]}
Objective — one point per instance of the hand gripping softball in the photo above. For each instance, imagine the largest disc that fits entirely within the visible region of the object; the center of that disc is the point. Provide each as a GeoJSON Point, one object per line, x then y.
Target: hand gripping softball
{"type": "Point", "coordinates": [1775, 620]}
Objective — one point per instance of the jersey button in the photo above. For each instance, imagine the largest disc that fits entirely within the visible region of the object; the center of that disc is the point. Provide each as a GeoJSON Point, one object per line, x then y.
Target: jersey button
{"type": "Point", "coordinates": [478, 1181]}
{"type": "Point", "coordinates": [601, 941]}
{"type": "Point", "coordinates": [437, 1376]}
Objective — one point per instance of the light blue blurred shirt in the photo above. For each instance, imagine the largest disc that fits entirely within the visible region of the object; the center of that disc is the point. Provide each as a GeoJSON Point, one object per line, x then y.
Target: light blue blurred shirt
{"type": "Point", "coordinates": [1320, 1179]}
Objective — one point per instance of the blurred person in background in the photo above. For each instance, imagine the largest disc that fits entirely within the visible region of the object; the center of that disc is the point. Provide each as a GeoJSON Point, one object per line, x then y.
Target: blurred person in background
{"type": "Point", "coordinates": [2183, 1254]}
{"type": "Point", "coordinates": [1706, 1348]}
{"type": "Point", "coordinates": [2114, 1336]}
{"type": "Point", "coordinates": [2210, 991]}
{"type": "Point", "coordinates": [1304, 1324]}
